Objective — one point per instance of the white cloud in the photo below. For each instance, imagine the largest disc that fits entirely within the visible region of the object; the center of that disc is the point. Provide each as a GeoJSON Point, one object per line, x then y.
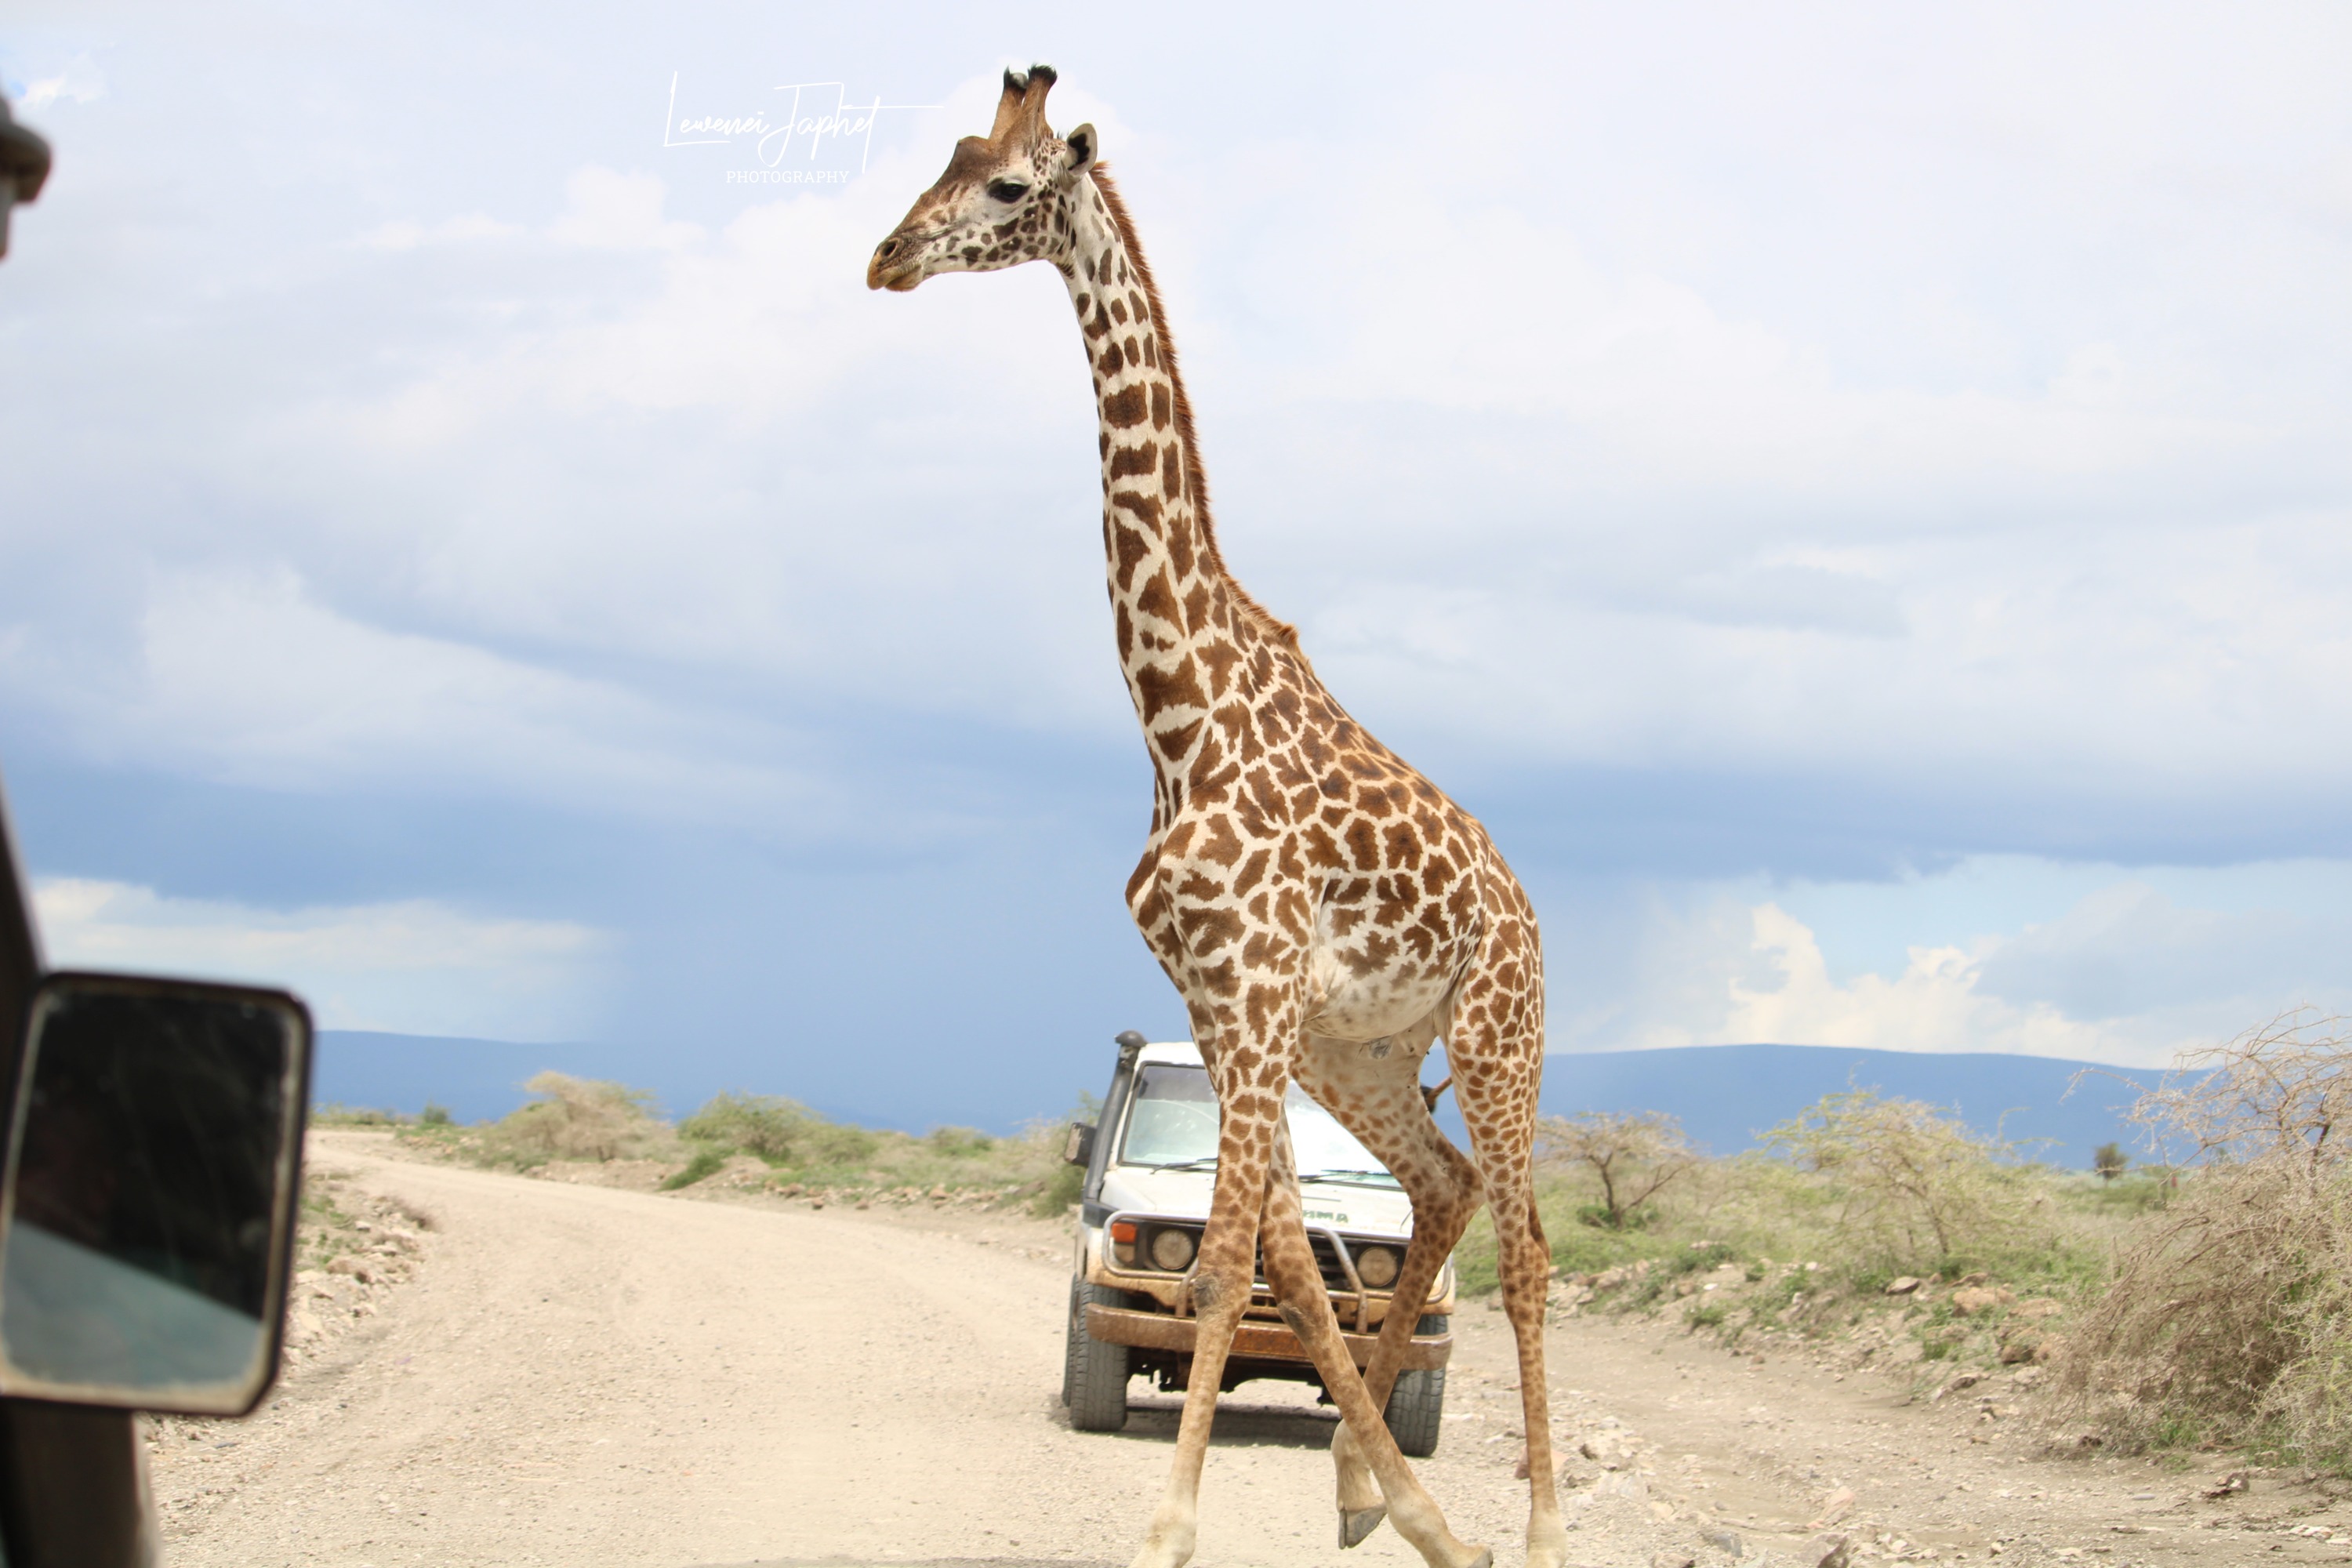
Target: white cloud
{"type": "Point", "coordinates": [414, 967]}
{"type": "Point", "coordinates": [247, 679]}
{"type": "Point", "coordinates": [1935, 1004]}
{"type": "Point", "coordinates": [2126, 975]}
{"type": "Point", "coordinates": [465, 229]}
{"type": "Point", "coordinates": [607, 210]}
{"type": "Point", "coordinates": [78, 79]}
{"type": "Point", "coordinates": [2143, 663]}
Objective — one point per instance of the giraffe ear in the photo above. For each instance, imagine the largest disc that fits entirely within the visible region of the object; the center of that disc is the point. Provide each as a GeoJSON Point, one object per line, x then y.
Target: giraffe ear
{"type": "Point", "coordinates": [1083, 149]}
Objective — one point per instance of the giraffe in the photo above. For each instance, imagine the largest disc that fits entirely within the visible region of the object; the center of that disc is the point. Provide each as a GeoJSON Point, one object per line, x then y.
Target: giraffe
{"type": "Point", "coordinates": [1326, 914]}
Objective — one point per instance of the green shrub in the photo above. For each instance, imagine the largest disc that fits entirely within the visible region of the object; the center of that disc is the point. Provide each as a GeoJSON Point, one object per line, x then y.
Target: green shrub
{"type": "Point", "coordinates": [574, 1118]}
{"type": "Point", "coordinates": [838, 1143]}
{"type": "Point", "coordinates": [706, 1163]}
{"type": "Point", "coordinates": [773, 1128]}
{"type": "Point", "coordinates": [959, 1142]}
{"type": "Point", "coordinates": [1909, 1187]}
{"type": "Point", "coordinates": [436, 1114]}
{"type": "Point", "coordinates": [337, 1114]}
{"type": "Point", "coordinates": [1062, 1189]}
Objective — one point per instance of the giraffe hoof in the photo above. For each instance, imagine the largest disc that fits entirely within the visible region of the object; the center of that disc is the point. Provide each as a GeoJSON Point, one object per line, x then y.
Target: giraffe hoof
{"type": "Point", "coordinates": [1354, 1527]}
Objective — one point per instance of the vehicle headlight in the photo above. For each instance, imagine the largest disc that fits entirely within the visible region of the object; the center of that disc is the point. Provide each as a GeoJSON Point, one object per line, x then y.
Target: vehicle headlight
{"type": "Point", "coordinates": [1376, 1266]}
{"type": "Point", "coordinates": [1173, 1249]}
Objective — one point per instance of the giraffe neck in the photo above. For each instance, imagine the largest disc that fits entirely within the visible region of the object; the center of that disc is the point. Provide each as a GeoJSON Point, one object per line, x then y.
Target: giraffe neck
{"type": "Point", "coordinates": [1187, 632]}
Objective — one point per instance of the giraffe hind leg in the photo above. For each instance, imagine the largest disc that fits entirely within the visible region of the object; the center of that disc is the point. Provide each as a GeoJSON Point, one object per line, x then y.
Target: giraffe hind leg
{"type": "Point", "coordinates": [1379, 1101]}
{"type": "Point", "coordinates": [1501, 1118]}
{"type": "Point", "coordinates": [1305, 1306]}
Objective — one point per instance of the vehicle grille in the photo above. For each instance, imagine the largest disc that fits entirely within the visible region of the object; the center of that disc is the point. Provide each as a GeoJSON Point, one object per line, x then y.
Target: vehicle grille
{"type": "Point", "coordinates": [1326, 1258]}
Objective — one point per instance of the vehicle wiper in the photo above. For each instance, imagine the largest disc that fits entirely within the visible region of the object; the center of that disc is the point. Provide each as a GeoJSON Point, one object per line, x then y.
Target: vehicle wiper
{"type": "Point", "coordinates": [1340, 1171]}
{"type": "Point", "coordinates": [1203, 1162]}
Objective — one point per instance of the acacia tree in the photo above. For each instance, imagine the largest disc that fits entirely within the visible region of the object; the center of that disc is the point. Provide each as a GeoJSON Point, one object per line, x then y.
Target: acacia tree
{"type": "Point", "coordinates": [1913, 1185]}
{"type": "Point", "coordinates": [2109, 1161]}
{"type": "Point", "coordinates": [1635, 1154]}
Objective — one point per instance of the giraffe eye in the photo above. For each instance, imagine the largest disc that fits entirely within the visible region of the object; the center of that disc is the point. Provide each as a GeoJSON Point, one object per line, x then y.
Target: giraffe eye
{"type": "Point", "coordinates": [1007, 191]}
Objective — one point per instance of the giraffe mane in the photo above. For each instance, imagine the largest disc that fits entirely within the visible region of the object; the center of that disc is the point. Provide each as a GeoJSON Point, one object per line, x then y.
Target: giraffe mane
{"type": "Point", "coordinates": [1196, 481]}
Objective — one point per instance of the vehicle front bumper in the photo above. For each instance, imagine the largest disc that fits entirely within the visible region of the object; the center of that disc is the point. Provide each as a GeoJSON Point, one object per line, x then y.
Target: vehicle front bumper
{"type": "Point", "coordinates": [1254, 1340]}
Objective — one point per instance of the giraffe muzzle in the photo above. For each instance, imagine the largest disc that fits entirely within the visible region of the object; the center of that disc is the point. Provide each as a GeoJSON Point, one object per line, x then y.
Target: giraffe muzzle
{"type": "Point", "coordinates": [897, 263]}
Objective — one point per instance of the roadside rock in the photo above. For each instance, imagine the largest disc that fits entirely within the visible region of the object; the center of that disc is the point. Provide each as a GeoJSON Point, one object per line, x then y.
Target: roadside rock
{"type": "Point", "coordinates": [1828, 1550]}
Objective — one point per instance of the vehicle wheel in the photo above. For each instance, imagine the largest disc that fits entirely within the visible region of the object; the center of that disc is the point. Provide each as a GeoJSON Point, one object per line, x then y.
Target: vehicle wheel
{"type": "Point", "coordinates": [1093, 1375]}
{"type": "Point", "coordinates": [1416, 1409]}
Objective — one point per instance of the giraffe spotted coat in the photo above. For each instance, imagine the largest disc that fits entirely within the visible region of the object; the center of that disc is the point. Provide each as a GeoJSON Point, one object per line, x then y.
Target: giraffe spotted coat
{"type": "Point", "coordinates": [1326, 913]}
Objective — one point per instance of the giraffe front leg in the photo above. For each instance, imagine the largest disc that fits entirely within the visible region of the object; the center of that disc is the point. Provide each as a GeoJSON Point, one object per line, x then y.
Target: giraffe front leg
{"type": "Point", "coordinates": [1221, 1278]}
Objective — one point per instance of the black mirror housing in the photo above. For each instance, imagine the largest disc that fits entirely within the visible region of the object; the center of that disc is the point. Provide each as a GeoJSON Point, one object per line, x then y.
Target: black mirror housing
{"type": "Point", "coordinates": [1078, 1147]}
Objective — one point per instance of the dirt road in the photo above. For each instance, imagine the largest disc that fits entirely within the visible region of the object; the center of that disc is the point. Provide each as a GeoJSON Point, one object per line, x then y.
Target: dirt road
{"type": "Point", "coordinates": [583, 1376]}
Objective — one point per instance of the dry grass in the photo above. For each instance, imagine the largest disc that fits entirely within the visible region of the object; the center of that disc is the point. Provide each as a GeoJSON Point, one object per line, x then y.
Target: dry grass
{"type": "Point", "coordinates": [806, 1154]}
{"type": "Point", "coordinates": [1798, 1241]}
{"type": "Point", "coordinates": [2230, 1319]}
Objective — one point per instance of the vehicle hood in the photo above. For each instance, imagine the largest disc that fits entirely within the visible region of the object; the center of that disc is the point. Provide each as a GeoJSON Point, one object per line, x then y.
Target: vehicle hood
{"type": "Point", "coordinates": [1357, 1210]}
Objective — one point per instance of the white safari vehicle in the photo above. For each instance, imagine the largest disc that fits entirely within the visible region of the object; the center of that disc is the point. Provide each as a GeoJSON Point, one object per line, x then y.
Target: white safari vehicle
{"type": "Point", "coordinates": [1151, 1163]}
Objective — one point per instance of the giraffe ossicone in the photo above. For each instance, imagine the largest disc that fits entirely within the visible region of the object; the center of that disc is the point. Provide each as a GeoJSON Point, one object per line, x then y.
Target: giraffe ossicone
{"type": "Point", "coordinates": [1308, 893]}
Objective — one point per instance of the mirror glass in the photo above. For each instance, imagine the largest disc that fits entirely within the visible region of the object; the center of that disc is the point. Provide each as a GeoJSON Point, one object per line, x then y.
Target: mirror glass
{"type": "Point", "coordinates": [149, 1194]}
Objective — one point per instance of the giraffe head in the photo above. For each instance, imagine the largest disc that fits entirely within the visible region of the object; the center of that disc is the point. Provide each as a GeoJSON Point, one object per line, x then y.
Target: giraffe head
{"type": "Point", "coordinates": [1005, 200]}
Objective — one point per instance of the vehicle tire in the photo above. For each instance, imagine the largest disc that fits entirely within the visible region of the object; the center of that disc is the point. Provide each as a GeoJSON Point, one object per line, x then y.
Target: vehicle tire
{"type": "Point", "coordinates": [1093, 1375]}
{"type": "Point", "coordinates": [1416, 1411]}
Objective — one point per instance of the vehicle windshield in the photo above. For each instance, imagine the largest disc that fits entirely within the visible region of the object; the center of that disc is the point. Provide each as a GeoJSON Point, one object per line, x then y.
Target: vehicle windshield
{"type": "Point", "coordinates": [1174, 1123]}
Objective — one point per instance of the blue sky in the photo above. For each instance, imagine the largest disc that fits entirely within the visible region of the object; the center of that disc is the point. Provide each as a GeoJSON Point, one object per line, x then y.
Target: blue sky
{"type": "Point", "coordinates": [1855, 498]}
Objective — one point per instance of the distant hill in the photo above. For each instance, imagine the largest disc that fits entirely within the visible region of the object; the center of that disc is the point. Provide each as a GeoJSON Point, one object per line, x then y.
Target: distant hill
{"type": "Point", "coordinates": [1725, 1095]}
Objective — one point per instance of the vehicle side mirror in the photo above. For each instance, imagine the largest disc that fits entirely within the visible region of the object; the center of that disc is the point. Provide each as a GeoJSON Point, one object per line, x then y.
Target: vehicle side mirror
{"type": "Point", "coordinates": [1078, 1147]}
{"type": "Point", "coordinates": [147, 1210]}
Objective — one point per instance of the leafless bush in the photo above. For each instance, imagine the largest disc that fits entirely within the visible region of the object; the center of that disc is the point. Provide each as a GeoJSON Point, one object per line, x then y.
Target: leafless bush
{"type": "Point", "coordinates": [2231, 1313]}
{"type": "Point", "coordinates": [575, 1119]}
{"type": "Point", "coordinates": [1907, 1185]}
{"type": "Point", "coordinates": [1636, 1154]}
